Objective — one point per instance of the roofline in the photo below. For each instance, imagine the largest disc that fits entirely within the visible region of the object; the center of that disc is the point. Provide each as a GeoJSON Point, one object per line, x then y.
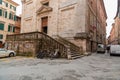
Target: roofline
{"type": "Point", "coordinates": [103, 4]}
{"type": "Point", "coordinates": [16, 4]}
{"type": "Point", "coordinates": [118, 5]}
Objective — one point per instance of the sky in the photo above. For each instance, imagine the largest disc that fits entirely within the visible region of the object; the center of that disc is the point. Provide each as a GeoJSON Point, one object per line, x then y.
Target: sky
{"type": "Point", "coordinates": [111, 9]}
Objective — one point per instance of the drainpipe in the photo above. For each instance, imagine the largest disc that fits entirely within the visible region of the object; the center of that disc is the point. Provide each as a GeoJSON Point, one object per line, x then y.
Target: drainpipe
{"type": "Point", "coordinates": [119, 28]}
{"type": "Point", "coordinates": [58, 19]}
{"type": "Point", "coordinates": [96, 25]}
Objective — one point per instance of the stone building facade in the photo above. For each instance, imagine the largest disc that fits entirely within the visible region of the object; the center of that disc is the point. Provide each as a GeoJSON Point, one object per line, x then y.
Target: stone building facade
{"type": "Point", "coordinates": [115, 31]}
{"type": "Point", "coordinates": [113, 37]}
{"type": "Point", "coordinates": [83, 22]}
{"type": "Point", "coordinates": [18, 24]}
{"type": "Point", "coordinates": [7, 18]}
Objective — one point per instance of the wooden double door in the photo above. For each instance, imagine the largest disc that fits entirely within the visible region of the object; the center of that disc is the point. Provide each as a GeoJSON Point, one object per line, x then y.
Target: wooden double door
{"type": "Point", "coordinates": [44, 24]}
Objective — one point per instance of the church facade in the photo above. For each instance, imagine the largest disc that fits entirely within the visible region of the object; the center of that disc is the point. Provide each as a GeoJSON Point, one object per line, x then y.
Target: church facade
{"type": "Point", "coordinates": [82, 22]}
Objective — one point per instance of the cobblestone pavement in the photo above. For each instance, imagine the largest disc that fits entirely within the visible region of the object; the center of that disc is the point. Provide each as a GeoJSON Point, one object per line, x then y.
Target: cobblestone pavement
{"type": "Point", "coordinates": [94, 67]}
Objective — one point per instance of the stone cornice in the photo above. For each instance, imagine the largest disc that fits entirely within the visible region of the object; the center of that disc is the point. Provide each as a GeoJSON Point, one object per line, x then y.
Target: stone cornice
{"type": "Point", "coordinates": [16, 4]}
{"type": "Point", "coordinates": [103, 6]}
{"type": "Point", "coordinates": [44, 9]}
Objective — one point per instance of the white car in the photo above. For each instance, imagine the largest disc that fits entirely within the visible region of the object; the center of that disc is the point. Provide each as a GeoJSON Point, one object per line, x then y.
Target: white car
{"type": "Point", "coordinates": [6, 53]}
{"type": "Point", "coordinates": [100, 48]}
{"type": "Point", "coordinates": [115, 50]}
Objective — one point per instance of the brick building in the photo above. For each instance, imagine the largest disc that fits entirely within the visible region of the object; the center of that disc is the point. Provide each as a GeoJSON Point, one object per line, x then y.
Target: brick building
{"type": "Point", "coordinates": [115, 31]}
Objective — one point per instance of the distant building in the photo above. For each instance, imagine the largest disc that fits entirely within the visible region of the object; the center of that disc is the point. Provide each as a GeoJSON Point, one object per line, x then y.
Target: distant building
{"type": "Point", "coordinates": [18, 24]}
{"type": "Point", "coordinates": [113, 37]}
{"type": "Point", "coordinates": [7, 18]}
{"type": "Point", "coordinates": [83, 22]}
{"type": "Point", "coordinates": [115, 31]}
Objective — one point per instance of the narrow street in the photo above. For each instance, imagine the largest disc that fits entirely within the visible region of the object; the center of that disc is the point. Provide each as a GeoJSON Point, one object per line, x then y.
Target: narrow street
{"type": "Point", "coordinates": [94, 67]}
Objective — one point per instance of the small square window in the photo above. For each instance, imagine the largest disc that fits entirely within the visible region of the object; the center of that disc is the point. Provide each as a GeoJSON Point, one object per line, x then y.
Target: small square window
{"type": "Point", "coordinates": [46, 4]}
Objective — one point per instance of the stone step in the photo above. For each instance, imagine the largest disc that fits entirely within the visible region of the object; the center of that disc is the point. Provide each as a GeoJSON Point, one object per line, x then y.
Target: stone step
{"type": "Point", "coordinates": [75, 56]}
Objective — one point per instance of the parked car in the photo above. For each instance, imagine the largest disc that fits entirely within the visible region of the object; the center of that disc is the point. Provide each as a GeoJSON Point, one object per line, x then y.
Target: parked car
{"type": "Point", "coordinates": [100, 48]}
{"type": "Point", "coordinates": [6, 53]}
{"type": "Point", "coordinates": [115, 50]}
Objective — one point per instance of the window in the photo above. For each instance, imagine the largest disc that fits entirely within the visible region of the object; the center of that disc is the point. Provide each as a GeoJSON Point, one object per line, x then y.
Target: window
{"type": "Point", "coordinates": [5, 4]}
{"type": "Point", "coordinates": [1, 26]}
{"type": "Point", "coordinates": [12, 7]}
{"type": "Point", "coordinates": [15, 18]}
{"type": "Point", "coordinates": [1, 36]}
{"type": "Point", "coordinates": [46, 4]}
{"type": "Point", "coordinates": [3, 13]}
{"type": "Point", "coordinates": [11, 28]}
{"type": "Point", "coordinates": [0, 1]}
{"type": "Point", "coordinates": [11, 16]}
{"type": "Point", "coordinates": [0, 12]}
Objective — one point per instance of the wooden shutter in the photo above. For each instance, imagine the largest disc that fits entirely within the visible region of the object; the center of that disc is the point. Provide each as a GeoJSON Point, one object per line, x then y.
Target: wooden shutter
{"type": "Point", "coordinates": [9, 15]}
{"type": "Point", "coordinates": [6, 14]}
{"type": "Point", "coordinates": [1, 26]}
{"type": "Point", "coordinates": [13, 29]}
{"type": "Point", "coordinates": [9, 28]}
{"type": "Point", "coordinates": [6, 4]}
{"type": "Point", "coordinates": [1, 36]}
{"type": "Point", "coordinates": [44, 21]}
{"type": "Point", "coordinates": [15, 18]}
{"type": "Point", "coordinates": [10, 6]}
{"type": "Point", "coordinates": [0, 1]}
{"type": "Point", "coordinates": [14, 8]}
{"type": "Point", "coordinates": [0, 12]}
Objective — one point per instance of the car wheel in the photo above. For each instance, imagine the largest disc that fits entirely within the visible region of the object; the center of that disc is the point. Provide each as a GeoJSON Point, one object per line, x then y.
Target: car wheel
{"type": "Point", "coordinates": [111, 54]}
{"type": "Point", "coordinates": [11, 55]}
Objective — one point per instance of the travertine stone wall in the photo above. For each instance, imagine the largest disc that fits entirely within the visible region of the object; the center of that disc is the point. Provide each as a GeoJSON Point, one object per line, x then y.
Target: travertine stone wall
{"type": "Point", "coordinates": [66, 18]}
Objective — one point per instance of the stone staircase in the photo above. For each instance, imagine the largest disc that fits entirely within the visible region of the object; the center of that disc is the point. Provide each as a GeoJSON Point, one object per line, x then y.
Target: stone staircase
{"type": "Point", "coordinates": [74, 51]}
{"type": "Point", "coordinates": [42, 43]}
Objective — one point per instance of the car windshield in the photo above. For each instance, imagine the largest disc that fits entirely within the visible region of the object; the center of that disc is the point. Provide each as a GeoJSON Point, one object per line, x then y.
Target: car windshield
{"type": "Point", "coordinates": [100, 46]}
{"type": "Point", "coordinates": [1, 49]}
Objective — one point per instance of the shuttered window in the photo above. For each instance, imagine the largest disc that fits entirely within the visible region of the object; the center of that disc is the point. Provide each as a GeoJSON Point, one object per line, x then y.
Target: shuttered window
{"type": "Point", "coordinates": [6, 4]}
{"type": "Point", "coordinates": [1, 26]}
{"type": "Point", "coordinates": [9, 28]}
{"type": "Point", "coordinates": [14, 8]}
{"type": "Point", "coordinates": [1, 36]}
{"type": "Point", "coordinates": [10, 15]}
{"type": "Point", "coordinates": [6, 14]}
{"type": "Point", "coordinates": [13, 29]}
{"type": "Point", "coordinates": [0, 1]}
{"type": "Point", "coordinates": [15, 18]}
{"type": "Point", "coordinates": [10, 6]}
{"type": "Point", "coordinates": [0, 12]}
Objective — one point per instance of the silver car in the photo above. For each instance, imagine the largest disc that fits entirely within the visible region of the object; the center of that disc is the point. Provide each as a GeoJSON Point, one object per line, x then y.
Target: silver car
{"type": "Point", "coordinates": [100, 48]}
{"type": "Point", "coordinates": [6, 53]}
